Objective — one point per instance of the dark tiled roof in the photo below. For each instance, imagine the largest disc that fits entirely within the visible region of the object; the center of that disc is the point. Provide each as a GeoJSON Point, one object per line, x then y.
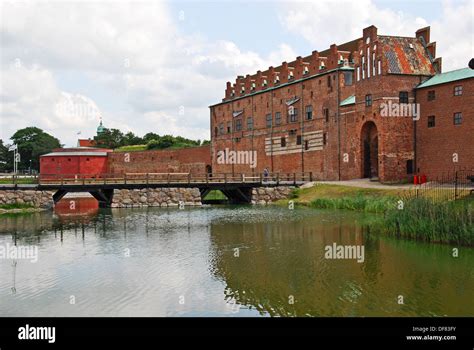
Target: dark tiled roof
{"type": "Point", "coordinates": [406, 56]}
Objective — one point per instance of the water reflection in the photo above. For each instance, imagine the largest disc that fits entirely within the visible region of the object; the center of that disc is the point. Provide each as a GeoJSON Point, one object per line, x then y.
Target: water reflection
{"type": "Point", "coordinates": [215, 261]}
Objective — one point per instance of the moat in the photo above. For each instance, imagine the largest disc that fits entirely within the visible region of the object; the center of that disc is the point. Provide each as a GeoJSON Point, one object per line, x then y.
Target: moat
{"type": "Point", "coordinates": [224, 261]}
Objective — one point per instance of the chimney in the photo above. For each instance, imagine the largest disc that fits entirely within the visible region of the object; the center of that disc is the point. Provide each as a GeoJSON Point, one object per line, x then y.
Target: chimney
{"type": "Point", "coordinates": [371, 33]}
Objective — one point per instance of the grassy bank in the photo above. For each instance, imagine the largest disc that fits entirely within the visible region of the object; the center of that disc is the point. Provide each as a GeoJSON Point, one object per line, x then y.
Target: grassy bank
{"type": "Point", "coordinates": [20, 180]}
{"type": "Point", "coordinates": [324, 196]}
{"type": "Point", "coordinates": [420, 219]}
{"type": "Point", "coordinates": [17, 208]}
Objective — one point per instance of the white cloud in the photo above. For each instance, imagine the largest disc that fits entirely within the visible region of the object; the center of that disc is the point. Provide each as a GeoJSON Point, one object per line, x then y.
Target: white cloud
{"type": "Point", "coordinates": [324, 22]}
{"type": "Point", "coordinates": [135, 51]}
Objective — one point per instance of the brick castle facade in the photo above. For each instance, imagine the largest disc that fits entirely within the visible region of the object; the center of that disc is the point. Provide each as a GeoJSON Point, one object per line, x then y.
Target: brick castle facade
{"type": "Point", "coordinates": [351, 111]}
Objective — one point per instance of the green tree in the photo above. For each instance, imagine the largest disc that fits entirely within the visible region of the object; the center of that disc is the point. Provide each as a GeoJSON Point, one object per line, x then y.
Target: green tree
{"type": "Point", "coordinates": [110, 138]}
{"type": "Point", "coordinates": [5, 162]}
{"type": "Point", "coordinates": [150, 136]}
{"type": "Point", "coordinates": [33, 142]}
{"type": "Point", "coordinates": [131, 139]}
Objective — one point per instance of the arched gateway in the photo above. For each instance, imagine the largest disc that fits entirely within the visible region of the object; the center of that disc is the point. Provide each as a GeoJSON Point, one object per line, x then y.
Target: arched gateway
{"type": "Point", "coordinates": [369, 150]}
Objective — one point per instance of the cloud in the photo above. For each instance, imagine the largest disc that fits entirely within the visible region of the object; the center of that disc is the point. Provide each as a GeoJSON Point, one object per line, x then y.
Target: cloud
{"type": "Point", "coordinates": [134, 51]}
{"type": "Point", "coordinates": [325, 22]}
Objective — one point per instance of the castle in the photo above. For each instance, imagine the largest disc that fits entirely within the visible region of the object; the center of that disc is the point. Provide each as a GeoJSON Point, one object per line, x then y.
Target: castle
{"type": "Point", "coordinates": [375, 107]}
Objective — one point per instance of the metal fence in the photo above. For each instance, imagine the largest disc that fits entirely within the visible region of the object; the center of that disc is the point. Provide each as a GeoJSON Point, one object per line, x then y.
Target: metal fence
{"type": "Point", "coordinates": [447, 187]}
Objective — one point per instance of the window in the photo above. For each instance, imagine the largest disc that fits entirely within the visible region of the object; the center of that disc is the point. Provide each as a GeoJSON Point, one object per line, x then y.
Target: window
{"type": "Point", "coordinates": [329, 81]}
{"type": "Point", "coordinates": [358, 73]}
{"type": "Point", "coordinates": [309, 112]}
{"type": "Point", "coordinates": [325, 138]}
{"type": "Point", "coordinates": [431, 121]}
{"type": "Point", "coordinates": [298, 139]}
{"type": "Point", "coordinates": [249, 123]}
{"type": "Point", "coordinates": [306, 145]}
{"type": "Point", "coordinates": [379, 63]}
{"type": "Point", "coordinates": [216, 131]}
{"type": "Point", "coordinates": [457, 118]}
{"type": "Point", "coordinates": [458, 90]}
{"type": "Point", "coordinates": [269, 120]}
{"type": "Point", "coordinates": [431, 95]}
{"type": "Point", "coordinates": [293, 114]}
{"type": "Point", "coordinates": [347, 78]}
{"type": "Point", "coordinates": [368, 100]}
{"type": "Point", "coordinates": [373, 63]}
{"type": "Point", "coordinates": [403, 97]}
{"type": "Point", "coordinates": [277, 118]}
{"type": "Point", "coordinates": [221, 128]}
{"type": "Point", "coordinates": [238, 124]}
{"type": "Point", "coordinates": [283, 142]}
{"type": "Point", "coordinates": [409, 166]}
{"type": "Point", "coordinates": [229, 127]}
{"type": "Point", "coordinates": [326, 114]}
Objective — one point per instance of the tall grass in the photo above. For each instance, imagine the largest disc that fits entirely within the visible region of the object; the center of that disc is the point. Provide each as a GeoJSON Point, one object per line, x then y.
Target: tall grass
{"type": "Point", "coordinates": [369, 204]}
{"type": "Point", "coordinates": [423, 219]}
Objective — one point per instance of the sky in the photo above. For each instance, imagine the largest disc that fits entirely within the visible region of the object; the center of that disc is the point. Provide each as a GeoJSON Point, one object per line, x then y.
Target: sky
{"type": "Point", "coordinates": [156, 66]}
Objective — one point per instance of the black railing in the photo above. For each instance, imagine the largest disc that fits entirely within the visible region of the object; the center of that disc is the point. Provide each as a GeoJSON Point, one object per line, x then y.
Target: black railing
{"type": "Point", "coordinates": [447, 187]}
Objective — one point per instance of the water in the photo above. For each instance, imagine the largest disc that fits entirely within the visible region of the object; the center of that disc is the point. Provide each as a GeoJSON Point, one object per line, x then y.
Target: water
{"type": "Point", "coordinates": [224, 261]}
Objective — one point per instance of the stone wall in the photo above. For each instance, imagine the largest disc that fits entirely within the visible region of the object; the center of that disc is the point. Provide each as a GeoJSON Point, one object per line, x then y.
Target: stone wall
{"type": "Point", "coordinates": [159, 197]}
{"type": "Point", "coordinates": [38, 199]}
{"type": "Point", "coordinates": [266, 195]}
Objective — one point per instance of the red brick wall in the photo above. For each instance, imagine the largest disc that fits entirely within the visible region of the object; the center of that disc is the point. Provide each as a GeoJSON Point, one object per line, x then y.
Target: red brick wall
{"type": "Point", "coordinates": [73, 165]}
{"type": "Point", "coordinates": [194, 160]}
{"type": "Point", "coordinates": [436, 146]}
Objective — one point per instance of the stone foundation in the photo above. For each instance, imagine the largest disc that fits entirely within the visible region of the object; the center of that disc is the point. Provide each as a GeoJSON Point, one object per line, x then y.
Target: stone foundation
{"type": "Point", "coordinates": [266, 195]}
{"type": "Point", "coordinates": [156, 197]}
{"type": "Point", "coordinates": [38, 199]}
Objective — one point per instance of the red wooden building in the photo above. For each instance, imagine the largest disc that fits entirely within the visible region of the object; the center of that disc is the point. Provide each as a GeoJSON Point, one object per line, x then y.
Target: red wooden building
{"type": "Point", "coordinates": [69, 162]}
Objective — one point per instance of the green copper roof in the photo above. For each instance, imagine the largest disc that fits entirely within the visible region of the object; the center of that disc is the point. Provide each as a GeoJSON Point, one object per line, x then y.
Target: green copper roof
{"type": "Point", "coordinates": [348, 101]}
{"type": "Point", "coordinates": [100, 128]}
{"type": "Point", "coordinates": [447, 77]}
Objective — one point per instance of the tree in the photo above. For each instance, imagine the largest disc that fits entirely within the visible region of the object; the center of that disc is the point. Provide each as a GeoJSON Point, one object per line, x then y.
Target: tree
{"type": "Point", "coordinates": [110, 138]}
{"type": "Point", "coordinates": [5, 162]}
{"type": "Point", "coordinates": [131, 139]}
{"type": "Point", "coordinates": [150, 136]}
{"type": "Point", "coordinates": [33, 142]}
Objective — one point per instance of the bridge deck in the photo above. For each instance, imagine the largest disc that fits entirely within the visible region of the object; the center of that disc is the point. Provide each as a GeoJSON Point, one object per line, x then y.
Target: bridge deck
{"type": "Point", "coordinates": [156, 180]}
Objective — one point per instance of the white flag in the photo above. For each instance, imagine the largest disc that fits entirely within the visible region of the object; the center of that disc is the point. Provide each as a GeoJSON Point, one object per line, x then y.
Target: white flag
{"type": "Point", "coordinates": [13, 147]}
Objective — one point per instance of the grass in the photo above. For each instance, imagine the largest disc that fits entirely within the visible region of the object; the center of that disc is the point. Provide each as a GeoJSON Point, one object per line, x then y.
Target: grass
{"type": "Point", "coordinates": [442, 222]}
{"type": "Point", "coordinates": [325, 196]}
{"type": "Point", "coordinates": [21, 180]}
{"type": "Point", "coordinates": [16, 206]}
{"type": "Point", "coordinates": [136, 148]}
{"type": "Point", "coordinates": [420, 219]}
{"type": "Point", "coordinates": [132, 148]}
{"type": "Point", "coordinates": [215, 195]}
{"type": "Point", "coordinates": [359, 203]}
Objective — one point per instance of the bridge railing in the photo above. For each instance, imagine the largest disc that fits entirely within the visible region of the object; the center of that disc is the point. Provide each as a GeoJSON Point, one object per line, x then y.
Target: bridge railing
{"type": "Point", "coordinates": [174, 178]}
